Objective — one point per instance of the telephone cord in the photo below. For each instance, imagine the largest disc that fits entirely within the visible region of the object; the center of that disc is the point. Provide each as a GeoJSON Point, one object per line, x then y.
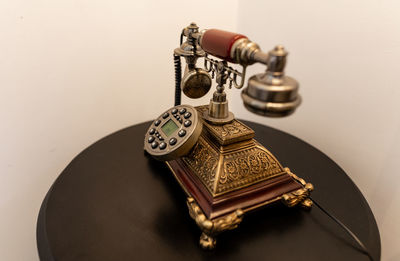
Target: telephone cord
{"type": "Point", "coordinates": [178, 72]}
{"type": "Point", "coordinates": [178, 75]}
{"type": "Point", "coordinates": [345, 228]}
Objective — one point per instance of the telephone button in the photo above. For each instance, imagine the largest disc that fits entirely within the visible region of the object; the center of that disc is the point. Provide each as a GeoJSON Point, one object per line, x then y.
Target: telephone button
{"type": "Point", "coordinates": [165, 115]}
{"type": "Point", "coordinates": [182, 133]}
{"type": "Point", "coordinates": [174, 110]}
{"type": "Point", "coordinates": [172, 141]}
{"type": "Point", "coordinates": [187, 115]}
{"type": "Point", "coordinates": [154, 144]}
{"type": "Point", "coordinates": [152, 131]}
{"type": "Point", "coordinates": [187, 123]}
{"type": "Point", "coordinates": [182, 111]}
{"type": "Point", "coordinates": [163, 145]}
{"type": "Point", "coordinates": [151, 139]}
{"type": "Point", "coordinates": [157, 122]}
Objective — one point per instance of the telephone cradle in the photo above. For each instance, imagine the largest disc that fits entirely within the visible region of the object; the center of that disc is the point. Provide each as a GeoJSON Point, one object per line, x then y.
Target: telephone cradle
{"type": "Point", "coordinates": [228, 173]}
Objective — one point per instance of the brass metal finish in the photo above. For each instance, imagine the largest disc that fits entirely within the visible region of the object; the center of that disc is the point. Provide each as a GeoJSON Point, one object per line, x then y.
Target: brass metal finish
{"type": "Point", "coordinates": [211, 228]}
{"type": "Point", "coordinates": [218, 112]}
{"type": "Point", "coordinates": [185, 144]}
{"type": "Point", "coordinates": [227, 172]}
{"type": "Point", "coordinates": [232, 167]}
{"type": "Point", "coordinates": [196, 83]}
{"type": "Point", "coordinates": [228, 133]}
{"type": "Point", "coordinates": [299, 196]}
{"type": "Point", "coordinates": [272, 93]}
{"type": "Point", "coordinates": [244, 50]}
{"type": "Point", "coordinates": [226, 159]}
{"type": "Point", "coordinates": [191, 47]}
{"type": "Point", "coordinates": [211, 65]}
{"type": "Point", "coordinates": [269, 94]}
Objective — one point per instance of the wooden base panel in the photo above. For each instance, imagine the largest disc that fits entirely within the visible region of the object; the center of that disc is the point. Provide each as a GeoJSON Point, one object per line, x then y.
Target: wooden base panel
{"type": "Point", "coordinates": [245, 199]}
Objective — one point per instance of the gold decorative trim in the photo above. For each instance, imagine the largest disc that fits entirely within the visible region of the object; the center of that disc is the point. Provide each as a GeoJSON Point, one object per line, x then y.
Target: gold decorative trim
{"type": "Point", "coordinates": [300, 196]}
{"type": "Point", "coordinates": [227, 133]}
{"type": "Point", "coordinates": [211, 228]}
{"type": "Point", "coordinates": [245, 167]}
{"type": "Point", "coordinates": [222, 171]}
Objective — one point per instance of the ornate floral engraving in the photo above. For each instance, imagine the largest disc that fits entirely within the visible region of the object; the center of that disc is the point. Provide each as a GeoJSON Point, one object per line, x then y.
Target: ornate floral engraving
{"type": "Point", "coordinates": [246, 167]}
{"type": "Point", "coordinates": [228, 133]}
{"type": "Point", "coordinates": [230, 130]}
{"type": "Point", "coordinates": [203, 161]}
{"type": "Point", "coordinates": [239, 168]}
{"type": "Point", "coordinates": [224, 170]}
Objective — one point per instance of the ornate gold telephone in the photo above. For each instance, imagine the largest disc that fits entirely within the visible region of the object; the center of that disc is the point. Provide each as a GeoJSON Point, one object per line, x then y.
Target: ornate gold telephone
{"type": "Point", "coordinates": [213, 156]}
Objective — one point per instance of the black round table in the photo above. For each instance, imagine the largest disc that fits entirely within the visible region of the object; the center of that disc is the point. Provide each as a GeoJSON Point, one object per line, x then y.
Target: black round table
{"type": "Point", "coordinates": [113, 202]}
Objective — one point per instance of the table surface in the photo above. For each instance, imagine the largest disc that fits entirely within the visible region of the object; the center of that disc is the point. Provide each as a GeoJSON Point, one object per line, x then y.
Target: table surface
{"type": "Point", "coordinates": [113, 202]}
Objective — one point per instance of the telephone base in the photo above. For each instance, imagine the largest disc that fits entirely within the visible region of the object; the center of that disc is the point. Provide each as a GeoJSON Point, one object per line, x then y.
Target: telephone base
{"type": "Point", "coordinates": [228, 173]}
{"type": "Point", "coordinates": [211, 227]}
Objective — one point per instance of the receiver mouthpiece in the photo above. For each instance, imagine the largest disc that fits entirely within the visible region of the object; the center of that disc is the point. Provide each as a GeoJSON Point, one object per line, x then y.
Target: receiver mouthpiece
{"type": "Point", "coordinates": [272, 94]}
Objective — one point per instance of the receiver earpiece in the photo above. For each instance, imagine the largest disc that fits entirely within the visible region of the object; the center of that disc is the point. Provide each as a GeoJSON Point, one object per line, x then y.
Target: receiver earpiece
{"type": "Point", "coordinates": [196, 82]}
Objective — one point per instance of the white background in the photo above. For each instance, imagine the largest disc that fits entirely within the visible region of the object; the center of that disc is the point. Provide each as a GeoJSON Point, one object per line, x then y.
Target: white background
{"type": "Point", "coordinates": [74, 71]}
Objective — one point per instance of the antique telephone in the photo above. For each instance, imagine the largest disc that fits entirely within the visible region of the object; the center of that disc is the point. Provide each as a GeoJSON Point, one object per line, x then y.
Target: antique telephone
{"type": "Point", "coordinates": [224, 171]}
{"type": "Point", "coordinates": [213, 156]}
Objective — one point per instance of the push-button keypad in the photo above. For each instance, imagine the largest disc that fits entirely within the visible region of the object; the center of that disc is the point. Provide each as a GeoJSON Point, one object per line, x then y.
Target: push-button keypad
{"type": "Point", "coordinates": [154, 144]}
{"type": "Point", "coordinates": [163, 145]}
{"type": "Point", "coordinates": [171, 130]}
{"type": "Point", "coordinates": [172, 141]}
{"type": "Point", "coordinates": [165, 115]}
{"type": "Point", "coordinates": [181, 133]}
{"type": "Point", "coordinates": [187, 115]}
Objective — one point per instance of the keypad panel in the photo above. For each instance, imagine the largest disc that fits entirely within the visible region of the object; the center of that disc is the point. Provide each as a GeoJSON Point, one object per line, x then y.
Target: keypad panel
{"type": "Point", "coordinates": [171, 130]}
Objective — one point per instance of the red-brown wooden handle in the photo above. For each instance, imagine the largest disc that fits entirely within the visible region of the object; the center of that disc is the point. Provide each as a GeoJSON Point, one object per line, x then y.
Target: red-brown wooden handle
{"type": "Point", "coordinates": [219, 43]}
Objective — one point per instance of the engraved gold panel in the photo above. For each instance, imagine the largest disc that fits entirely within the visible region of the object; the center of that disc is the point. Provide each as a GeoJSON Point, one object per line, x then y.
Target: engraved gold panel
{"type": "Point", "coordinates": [228, 133]}
{"type": "Point", "coordinates": [226, 168]}
{"type": "Point", "coordinates": [203, 161]}
{"type": "Point", "coordinates": [246, 167]}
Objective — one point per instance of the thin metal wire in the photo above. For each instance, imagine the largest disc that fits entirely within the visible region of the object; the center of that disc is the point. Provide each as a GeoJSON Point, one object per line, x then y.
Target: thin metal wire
{"type": "Point", "coordinates": [363, 248]}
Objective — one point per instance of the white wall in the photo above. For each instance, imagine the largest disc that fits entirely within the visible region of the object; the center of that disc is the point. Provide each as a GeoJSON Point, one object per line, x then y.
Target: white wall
{"type": "Point", "coordinates": [72, 72]}
{"type": "Point", "coordinates": [345, 54]}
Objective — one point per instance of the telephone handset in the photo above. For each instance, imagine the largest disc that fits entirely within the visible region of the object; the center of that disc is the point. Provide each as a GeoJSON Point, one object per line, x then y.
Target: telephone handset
{"type": "Point", "coordinates": [173, 133]}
